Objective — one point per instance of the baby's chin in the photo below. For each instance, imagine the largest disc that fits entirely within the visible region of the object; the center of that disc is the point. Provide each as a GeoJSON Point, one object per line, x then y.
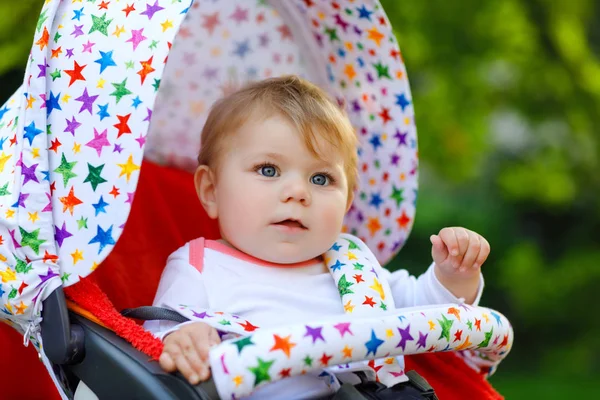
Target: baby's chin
{"type": "Point", "coordinates": [285, 253]}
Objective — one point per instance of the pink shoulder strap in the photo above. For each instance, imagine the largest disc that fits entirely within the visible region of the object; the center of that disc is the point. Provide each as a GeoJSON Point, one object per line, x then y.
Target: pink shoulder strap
{"type": "Point", "coordinates": [197, 253]}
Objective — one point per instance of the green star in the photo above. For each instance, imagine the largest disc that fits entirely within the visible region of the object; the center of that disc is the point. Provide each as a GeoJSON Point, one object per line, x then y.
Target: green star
{"type": "Point", "coordinates": [352, 245]}
{"type": "Point", "coordinates": [382, 70]}
{"type": "Point", "coordinates": [383, 306]}
{"type": "Point", "coordinates": [261, 371]}
{"type": "Point", "coordinates": [308, 361]}
{"type": "Point", "coordinates": [224, 322]}
{"type": "Point", "coordinates": [4, 190]}
{"type": "Point", "coordinates": [129, 64]}
{"type": "Point", "coordinates": [94, 177]}
{"type": "Point", "coordinates": [262, 2]}
{"type": "Point", "coordinates": [446, 324]}
{"type": "Point", "coordinates": [153, 45]}
{"type": "Point", "coordinates": [55, 75]}
{"type": "Point", "coordinates": [13, 293]}
{"type": "Point", "coordinates": [486, 341]}
{"type": "Point", "coordinates": [359, 46]}
{"type": "Point", "coordinates": [41, 20]}
{"type": "Point", "coordinates": [82, 223]}
{"type": "Point", "coordinates": [100, 25]}
{"type": "Point", "coordinates": [22, 267]}
{"type": "Point", "coordinates": [48, 129]}
{"type": "Point", "coordinates": [344, 286]}
{"type": "Point", "coordinates": [241, 343]}
{"type": "Point", "coordinates": [65, 169]}
{"type": "Point", "coordinates": [363, 195]}
{"type": "Point", "coordinates": [56, 37]}
{"type": "Point", "coordinates": [358, 266]}
{"type": "Point", "coordinates": [470, 325]}
{"type": "Point", "coordinates": [397, 195]}
{"type": "Point", "coordinates": [121, 90]}
{"type": "Point", "coordinates": [65, 277]}
{"type": "Point", "coordinates": [31, 239]}
{"type": "Point", "coordinates": [156, 84]}
{"type": "Point", "coordinates": [332, 33]}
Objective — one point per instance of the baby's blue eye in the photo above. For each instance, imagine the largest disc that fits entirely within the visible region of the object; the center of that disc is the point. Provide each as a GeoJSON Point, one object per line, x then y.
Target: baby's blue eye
{"type": "Point", "coordinates": [268, 171]}
{"type": "Point", "coordinates": [320, 179]}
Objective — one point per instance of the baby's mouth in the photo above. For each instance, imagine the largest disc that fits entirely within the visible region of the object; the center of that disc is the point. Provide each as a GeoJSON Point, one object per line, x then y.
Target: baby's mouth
{"type": "Point", "coordinates": [291, 223]}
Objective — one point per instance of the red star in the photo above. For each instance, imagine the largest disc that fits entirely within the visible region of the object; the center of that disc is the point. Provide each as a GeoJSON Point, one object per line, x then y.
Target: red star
{"type": "Point", "coordinates": [504, 341]}
{"type": "Point", "coordinates": [374, 368]}
{"type": "Point", "coordinates": [285, 373]}
{"type": "Point", "coordinates": [70, 201]}
{"type": "Point", "coordinates": [358, 278]}
{"type": "Point", "coordinates": [55, 145]}
{"type": "Point", "coordinates": [309, 3]}
{"type": "Point", "coordinates": [386, 176]}
{"type": "Point", "coordinates": [13, 140]}
{"type": "Point", "coordinates": [122, 125]}
{"type": "Point", "coordinates": [388, 211]}
{"type": "Point", "coordinates": [381, 246]}
{"type": "Point", "coordinates": [394, 54]}
{"type": "Point", "coordinates": [129, 9]}
{"type": "Point", "coordinates": [248, 327]}
{"type": "Point", "coordinates": [325, 359]}
{"type": "Point", "coordinates": [260, 18]}
{"type": "Point", "coordinates": [52, 187]}
{"type": "Point", "coordinates": [285, 32]}
{"type": "Point", "coordinates": [369, 301]}
{"type": "Point", "coordinates": [75, 73]}
{"type": "Point", "coordinates": [23, 286]}
{"type": "Point", "coordinates": [56, 52]}
{"type": "Point", "coordinates": [146, 68]}
{"type": "Point", "coordinates": [381, 21]}
{"type": "Point", "coordinates": [50, 257]}
{"type": "Point", "coordinates": [385, 115]}
{"type": "Point", "coordinates": [403, 220]}
{"type": "Point", "coordinates": [210, 22]}
{"type": "Point", "coordinates": [478, 324]}
{"type": "Point", "coordinates": [1, 240]}
{"type": "Point", "coordinates": [114, 191]}
{"type": "Point", "coordinates": [335, 5]}
{"type": "Point", "coordinates": [457, 335]}
{"type": "Point", "coordinates": [103, 5]}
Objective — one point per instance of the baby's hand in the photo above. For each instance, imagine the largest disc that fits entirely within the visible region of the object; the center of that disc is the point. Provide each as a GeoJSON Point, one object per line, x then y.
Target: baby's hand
{"type": "Point", "coordinates": [186, 350]}
{"type": "Point", "coordinates": [459, 250]}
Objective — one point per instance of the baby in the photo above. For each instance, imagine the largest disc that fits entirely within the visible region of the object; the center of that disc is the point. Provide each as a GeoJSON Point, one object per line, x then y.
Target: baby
{"type": "Point", "coordinates": [278, 168]}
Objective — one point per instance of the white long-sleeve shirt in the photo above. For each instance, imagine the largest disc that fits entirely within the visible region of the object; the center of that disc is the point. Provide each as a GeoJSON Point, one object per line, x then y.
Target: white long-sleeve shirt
{"type": "Point", "coordinates": [269, 295]}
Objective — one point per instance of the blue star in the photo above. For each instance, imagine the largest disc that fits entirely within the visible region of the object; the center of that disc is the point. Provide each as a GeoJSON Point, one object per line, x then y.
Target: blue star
{"type": "Point", "coordinates": [31, 132]}
{"type": "Point", "coordinates": [136, 102]}
{"type": "Point", "coordinates": [375, 142]}
{"type": "Point", "coordinates": [373, 344]}
{"type": "Point", "coordinates": [242, 48]}
{"type": "Point", "coordinates": [361, 62]}
{"type": "Point", "coordinates": [3, 111]}
{"type": "Point", "coordinates": [1, 291]}
{"type": "Point", "coordinates": [46, 175]}
{"type": "Point", "coordinates": [402, 101]}
{"type": "Point", "coordinates": [401, 318]}
{"type": "Point", "coordinates": [376, 200]}
{"type": "Point", "coordinates": [103, 113]}
{"type": "Point", "coordinates": [498, 320]}
{"type": "Point", "coordinates": [341, 53]}
{"type": "Point", "coordinates": [100, 205]}
{"type": "Point", "coordinates": [364, 13]}
{"type": "Point", "coordinates": [103, 237]}
{"type": "Point", "coordinates": [78, 14]}
{"type": "Point", "coordinates": [105, 60]}
{"type": "Point", "coordinates": [2, 140]}
{"type": "Point", "coordinates": [335, 247]}
{"type": "Point", "coordinates": [337, 265]}
{"type": "Point", "coordinates": [52, 103]}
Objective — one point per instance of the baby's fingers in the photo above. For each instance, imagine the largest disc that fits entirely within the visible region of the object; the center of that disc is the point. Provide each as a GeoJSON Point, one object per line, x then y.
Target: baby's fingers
{"type": "Point", "coordinates": [166, 362]}
{"type": "Point", "coordinates": [484, 252]}
{"type": "Point", "coordinates": [473, 250]}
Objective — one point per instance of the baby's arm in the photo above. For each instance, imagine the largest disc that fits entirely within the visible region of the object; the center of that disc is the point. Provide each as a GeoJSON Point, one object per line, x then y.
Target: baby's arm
{"type": "Point", "coordinates": [185, 345]}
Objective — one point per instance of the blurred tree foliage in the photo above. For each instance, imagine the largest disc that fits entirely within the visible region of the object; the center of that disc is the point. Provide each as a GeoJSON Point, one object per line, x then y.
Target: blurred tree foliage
{"type": "Point", "coordinates": [507, 95]}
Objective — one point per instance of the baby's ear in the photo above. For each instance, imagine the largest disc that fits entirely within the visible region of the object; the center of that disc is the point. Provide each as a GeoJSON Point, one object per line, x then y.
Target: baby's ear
{"type": "Point", "coordinates": [204, 180]}
{"type": "Point", "coordinates": [350, 200]}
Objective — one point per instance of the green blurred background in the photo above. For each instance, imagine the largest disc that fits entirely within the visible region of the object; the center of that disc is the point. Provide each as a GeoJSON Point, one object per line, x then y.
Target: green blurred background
{"type": "Point", "coordinates": [507, 99]}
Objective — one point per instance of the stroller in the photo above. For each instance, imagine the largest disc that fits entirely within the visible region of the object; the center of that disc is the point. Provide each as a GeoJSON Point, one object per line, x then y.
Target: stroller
{"type": "Point", "coordinates": [77, 147]}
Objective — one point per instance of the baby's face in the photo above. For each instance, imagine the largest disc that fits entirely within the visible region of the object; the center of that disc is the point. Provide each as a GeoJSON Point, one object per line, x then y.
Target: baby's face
{"type": "Point", "coordinates": [275, 200]}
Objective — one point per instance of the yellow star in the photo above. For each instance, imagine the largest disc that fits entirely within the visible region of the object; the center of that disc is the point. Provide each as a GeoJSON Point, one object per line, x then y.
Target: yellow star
{"type": "Point", "coordinates": [348, 307]}
{"type": "Point", "coordinates": [487, 317]}
{"type": "Point", "coordinates": [2, 258]}
{"type": "Point", "coordinates": [128, 168]}
{"type": "Point", "coordinates": [30, 101]}
{"type": "Point", "coordinates": [66, 98]}
{"type": "Point", "coordinates": [101, 83]}
{"type": "Point", "coordinates": [215, 52]}
{"type": "Point", "coordinates": [326, 260]}
{"type": "Point", "coordinates": [3, 159]}
{"type": "Point", "coordinates": [431, 325]}
{"type": "Point", "coordinates": [8, 275]}
{"type": "Point", "coordinates": [166, 25]}
{"type": "Point", "coordinates": [378, 288]}
{"type": "Point", "coordinates": [351, 256]}
{"type": "Point", "coordinates": [9, 307]}
{"type": "Point", "coordinates": [9, 213]}
{"type": "Point", "coordinates": [35, 152]}
{"type": "Point", "coordinates": [389, 333]}
{"type": "Point", "coordinates": [76, 148]}
{"type": "Point", "coordinates": [375, 36]}
{"type": "Point", "coordinates": [118, 31]}
{"type": "Point", "coordinates": [21, 308]}
{"type": "Point", "coordinates": [349, 46]}
{"type": "Point", "coordinates": [33, 216]}
{"type": "Point", "coordinates": [389, 360]}
{"type": "Point", "coordinates": [77, 256]}
{"type": "Point", "coordinates": [94, 266]}
{"type": "Point", "coordinates": [238, 380]}
{"type": "Point", "coordinates": [347, 351]}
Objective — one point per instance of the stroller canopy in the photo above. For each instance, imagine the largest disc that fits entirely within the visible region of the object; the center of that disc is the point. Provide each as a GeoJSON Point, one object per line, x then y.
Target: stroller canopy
{"type": "Point", "coordinates": [73, 136]}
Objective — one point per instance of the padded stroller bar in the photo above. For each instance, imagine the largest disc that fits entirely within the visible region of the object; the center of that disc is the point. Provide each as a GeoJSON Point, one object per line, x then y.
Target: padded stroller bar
{"type": "Point", "coordinates": [240, 365]}
{"type": "Point", "coordinates": [149, 313]}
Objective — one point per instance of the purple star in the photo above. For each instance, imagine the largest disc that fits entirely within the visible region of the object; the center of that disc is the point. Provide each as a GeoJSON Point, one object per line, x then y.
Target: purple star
{"type": "Point", "coordinates": [343, 327]}
{"type": "Point", "coordinates": [49, 205]}
{"type": "Point", "coordinates": [29, 173]}
{"type": "Point", "coordinates": [149, 116]}
{"type": "Point", "coordinates": [50, 274]}
{"type": "Point", "coordinates": [339, 21]}
{"type": "Point", "coordinates": [21, 201]}
{"type": "Point", "coordinates": [78, 31]}
{"type": "Point", "coordinates": [422, 342]}
{"type": "Point", "coordinates": [202, 315]}
{"type": "Point", "coordinates": [87, 100]}
{"type": "Point", "coordinates": [69, 53]}
{"type": "Point", "coordinates": [360, 217]}
{"type": "Point", "coordinates": [12, 235]}
{"type": "Point", "coordinates": [405, 336]}
{"type": "Point", "coordinates": [356, 106]}
{"type": "Point", "coordinates": [42, 68]}
{"type": "Point", "coordinates": [189, 58]}
{"type": "Point", "coordinates": [319, 39]}
{"type": "Point", "coordinates": [357, 30]}
{"type": "Point", "coordinates": [151, 10]}
{"type": "Point", "coordinates": [141, 140]}
{"type": "Point", "coordinates": [117, 149]}
{"type": "Point", "coordinates": [60, 234]}
{"type": "Point", "coordinates": [315, 333]}
{"type": "Point", "coordinates": [395, 159]}
{"type": "Point", "coordinates": [401, 138]}
{"type": "Point", "coordinates": [99, 141]}
{"type": "Point", "coordinates": [72, 125]}
{"type": "Point", "coordinates": [210, 73]}
{"type": "Point", "coordinates": [129, 197]}
{"type": "Point", "coordinates": [263, 40]}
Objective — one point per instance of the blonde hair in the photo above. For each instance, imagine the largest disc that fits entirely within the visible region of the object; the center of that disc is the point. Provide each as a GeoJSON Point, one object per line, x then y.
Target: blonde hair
{"type": "Point", "coordinates": [305, 105]}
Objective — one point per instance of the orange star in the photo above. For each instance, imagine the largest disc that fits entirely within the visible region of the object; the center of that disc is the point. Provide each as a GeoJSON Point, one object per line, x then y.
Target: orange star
{"type": "Point", "coordinates": [21, 308]}
{"type": "Point", "coordinates": [454, 311]}
{"type": "Point", "coordinates": [347, 351]}
{"type": "Point", "coordinates": [283, 344]}
{"type": "Point", "coordinates": [75, 73]}
{"type": "Point", "coordinates": [43, 41]}
{"type": "Point", "coordinates": [373, 225]}
{"type": "Point", "coordinates": [115, 192]}
{"type": "Point", "coordinates": [375, 36]}
{"type": "Point", "coordinates": [104, 5]}
{"type": "Point", "coordinates": [70, 201]}
{"type": "Point", "coordinates": [478, 324]}
{"type": "Point", "coordinates": [129, 9]}
{"type": "Point", "coordinates": [56, 52]}
{"type": "Point", "coordinates": [464, 345]}
{"type": "Point", "coordinates": [146, 68]}
{"type": "Point", "coordinates": [50, 257]}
